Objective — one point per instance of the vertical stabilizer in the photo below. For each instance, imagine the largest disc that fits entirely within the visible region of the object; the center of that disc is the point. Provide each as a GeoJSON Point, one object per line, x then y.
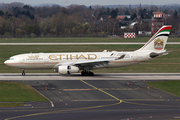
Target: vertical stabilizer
{"type": "Point", "coordinates": [158, 42]}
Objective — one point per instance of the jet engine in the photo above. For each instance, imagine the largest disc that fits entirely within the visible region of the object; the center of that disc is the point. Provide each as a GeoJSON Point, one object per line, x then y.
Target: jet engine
{"type": "Point", "coordinates": [68, 69]}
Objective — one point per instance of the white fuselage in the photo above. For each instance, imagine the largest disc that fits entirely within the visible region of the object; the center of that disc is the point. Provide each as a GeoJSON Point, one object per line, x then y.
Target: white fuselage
{"type": "Point", "coordinates": [67, 63]}
{"type": "Point", "coordinates": [52, 60]}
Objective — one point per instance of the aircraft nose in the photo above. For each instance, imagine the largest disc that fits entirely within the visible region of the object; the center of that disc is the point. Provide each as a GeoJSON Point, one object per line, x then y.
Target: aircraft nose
{"type": "Point", "coordinates": [5, 62]}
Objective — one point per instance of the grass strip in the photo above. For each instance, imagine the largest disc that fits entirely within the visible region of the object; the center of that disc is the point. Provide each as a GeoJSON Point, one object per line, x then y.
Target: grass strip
{"type": "Point", "coordinates": [19, 92]}
{"type": "Point", "coordinates": [168, 86]}
{"type": "Point", "coordinates": [78, 39]}
{"type": "Point", "coordinates": [165, 64]}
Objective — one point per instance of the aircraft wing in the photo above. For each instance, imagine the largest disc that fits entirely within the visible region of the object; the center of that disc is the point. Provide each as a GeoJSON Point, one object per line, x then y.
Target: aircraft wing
{"type": "Point", "coordinates": [93, 63]}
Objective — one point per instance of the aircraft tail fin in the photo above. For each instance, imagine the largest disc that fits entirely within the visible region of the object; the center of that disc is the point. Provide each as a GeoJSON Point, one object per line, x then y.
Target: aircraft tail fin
{"type": "Point", "coordinates": [158, 41]}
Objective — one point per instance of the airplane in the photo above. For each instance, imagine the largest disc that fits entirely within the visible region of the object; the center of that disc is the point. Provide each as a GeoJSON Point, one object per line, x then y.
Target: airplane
{"type": "Point", "coordinates": [68, 63]}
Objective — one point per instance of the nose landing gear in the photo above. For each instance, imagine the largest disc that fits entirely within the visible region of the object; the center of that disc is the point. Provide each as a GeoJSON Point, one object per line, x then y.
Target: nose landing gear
{"type": "Point", "coordinates": [23, 73]}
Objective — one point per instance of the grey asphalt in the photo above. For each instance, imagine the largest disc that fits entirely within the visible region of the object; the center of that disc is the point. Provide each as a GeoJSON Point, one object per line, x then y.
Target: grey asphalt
{"type": "Point", "coordinates": [97, 76]}
{"type": "Point", "coordinates": [76, 98]}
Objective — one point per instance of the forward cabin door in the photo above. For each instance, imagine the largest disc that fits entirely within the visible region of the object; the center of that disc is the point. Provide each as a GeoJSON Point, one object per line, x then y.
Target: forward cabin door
{"type": "Point", "coordinates": [21, 59]}
{"type": "Point", "coordinates": [46, 59]}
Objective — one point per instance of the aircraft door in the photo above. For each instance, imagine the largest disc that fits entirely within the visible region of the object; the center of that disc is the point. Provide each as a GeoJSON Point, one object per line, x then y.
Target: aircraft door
{"type": "Point", "coordinates": [135, 56]}
{"type": "Point", "coordinates": [21, 59]}
{"type": "Point", "coordinates": [46, 58]}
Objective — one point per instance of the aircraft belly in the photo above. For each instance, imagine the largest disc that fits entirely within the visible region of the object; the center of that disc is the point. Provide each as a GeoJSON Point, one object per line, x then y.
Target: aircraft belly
{"type": "Point", "coordinates": [121, 63]}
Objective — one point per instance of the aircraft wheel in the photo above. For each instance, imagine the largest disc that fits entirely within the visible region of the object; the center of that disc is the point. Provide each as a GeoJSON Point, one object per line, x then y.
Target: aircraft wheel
{"type": "Point", "coordinates": [82, 73]}
{"type": "Point", "coordinates": [91, 74]}
{"type": "Point", "coordinates": [87, 73]}
{"type": "Point", "coordinates": [23, 73]}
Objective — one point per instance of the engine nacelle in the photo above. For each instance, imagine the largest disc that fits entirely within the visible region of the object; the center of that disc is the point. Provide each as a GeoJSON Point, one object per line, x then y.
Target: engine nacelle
{"type": "Point", "coordinates": [68, 69]}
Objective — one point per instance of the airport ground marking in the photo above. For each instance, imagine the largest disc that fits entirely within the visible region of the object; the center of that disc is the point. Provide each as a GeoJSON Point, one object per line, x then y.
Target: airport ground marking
{"type": "Point", "coordinates": [100, 90]}
{"type": "Point", "coordinates": [86, 89]}
{"type": "Point", "coordinates": [52, 104]}
{"type": "Point", "coordinates": [86, 108]}
{"type": "Point", "coordinates": [86, 100]}
{"type": "Point", "coordinates": [149, 104]}
{"type": "Point", "coordinates": [121, 99]}
{"type": "Point", "coordinates": [73, 109]}
{"type": "Point", "coordinates": [124, 100]}
{"type": "Point", "coordinates": [82, 108]}
{"type": "Point", "coordinates": [64, 110]}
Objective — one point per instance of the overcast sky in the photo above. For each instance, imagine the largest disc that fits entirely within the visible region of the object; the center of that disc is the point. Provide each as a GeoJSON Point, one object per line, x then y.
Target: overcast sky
{"type": "Point", "coordinates": [95, 2]}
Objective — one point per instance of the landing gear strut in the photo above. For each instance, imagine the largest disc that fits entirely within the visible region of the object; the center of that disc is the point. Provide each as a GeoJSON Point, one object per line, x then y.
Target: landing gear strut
{"type": "Point", "coordinates": [87, 73]}
{"type": "Point", "coordinates": [23, 73]}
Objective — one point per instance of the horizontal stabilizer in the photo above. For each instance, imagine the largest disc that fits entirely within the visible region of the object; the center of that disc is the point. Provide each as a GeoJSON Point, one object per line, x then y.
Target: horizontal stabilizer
{"type": "Point", "coordinates": [153, 54]}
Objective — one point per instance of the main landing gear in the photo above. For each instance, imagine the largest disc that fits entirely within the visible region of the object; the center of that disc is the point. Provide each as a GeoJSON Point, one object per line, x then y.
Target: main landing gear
{"type": "Point", "coordinates": [23, 73]}
{"type": "Point", "coordinates": [87, 73]}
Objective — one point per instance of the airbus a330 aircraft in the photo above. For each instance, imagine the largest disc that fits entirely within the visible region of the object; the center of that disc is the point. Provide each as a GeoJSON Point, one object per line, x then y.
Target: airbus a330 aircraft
{"type": "Point", "coordinates": [67, 63]}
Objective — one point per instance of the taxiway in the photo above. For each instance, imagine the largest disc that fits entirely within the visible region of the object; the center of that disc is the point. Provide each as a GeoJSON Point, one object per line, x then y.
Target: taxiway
{"type": "Point", "coordinates": [101, 97]}
{"type": "Point", "coordinates": [97, 76]}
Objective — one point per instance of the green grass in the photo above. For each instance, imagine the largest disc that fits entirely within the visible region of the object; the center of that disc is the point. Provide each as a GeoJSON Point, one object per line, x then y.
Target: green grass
{"type": "Point", "coordinates": [78, 39]}
{"type": "Point", "coordinates": [14, 94]}
{"type": "Point", "coordinates": [19, 92]}
{"type": "Point", "coordinates": [166, 64]}
{"type": "Point", "coordinates": [168, 86]}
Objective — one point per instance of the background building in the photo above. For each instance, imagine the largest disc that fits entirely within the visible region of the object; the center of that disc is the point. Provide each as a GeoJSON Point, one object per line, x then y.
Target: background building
{"type": "Point", "coordinates": [157, 21]}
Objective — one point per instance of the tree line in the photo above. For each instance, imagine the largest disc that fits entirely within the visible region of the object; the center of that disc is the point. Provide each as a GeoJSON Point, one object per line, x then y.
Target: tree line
{"type": "Point", "coordinates": [76, 20]}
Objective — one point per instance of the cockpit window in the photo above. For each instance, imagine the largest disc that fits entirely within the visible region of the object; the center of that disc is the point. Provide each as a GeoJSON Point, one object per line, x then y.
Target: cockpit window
{"type": "Point", "coordinates": [11, 59]}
